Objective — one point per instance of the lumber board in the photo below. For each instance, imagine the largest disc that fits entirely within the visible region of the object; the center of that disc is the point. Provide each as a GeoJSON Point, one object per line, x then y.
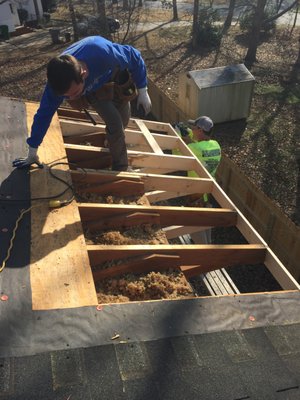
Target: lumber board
{"type": "Point", "coordinates": [151, 182]}
{"type": "Point", "coordinates": [73, 115]}
{"type": "Point", "coordinates": [188, 216]}
{"type": "Point", "coordinates": [149, 138]}
{"type": "Point", "coordinates": [209, 257]}
{"type": "Point", "coordinates": [73, 131]}
{"type": "Point", "coordinates": [83, 154]}
{"type": "Point", "coordinates": [60, 273]}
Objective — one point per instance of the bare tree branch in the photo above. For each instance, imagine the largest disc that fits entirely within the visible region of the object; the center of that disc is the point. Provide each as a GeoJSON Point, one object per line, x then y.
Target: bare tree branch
{"type": "Point", "coordinates": [295, 3]}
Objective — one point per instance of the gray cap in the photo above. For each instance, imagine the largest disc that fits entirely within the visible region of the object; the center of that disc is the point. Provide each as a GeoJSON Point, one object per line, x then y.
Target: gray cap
{"type": "Point", "coordinates": [204, 123]}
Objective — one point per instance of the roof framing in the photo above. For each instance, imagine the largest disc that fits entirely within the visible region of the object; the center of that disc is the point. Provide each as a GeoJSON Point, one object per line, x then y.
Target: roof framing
{"type": "Point", "coordinates": [62, 264]}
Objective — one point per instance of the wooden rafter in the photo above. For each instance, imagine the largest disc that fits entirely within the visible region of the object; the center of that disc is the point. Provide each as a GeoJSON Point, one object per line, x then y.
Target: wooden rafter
{"type": "Point", "coordinates": [188, 216]}
{"type": "Point", "coordinates": [208, 256]}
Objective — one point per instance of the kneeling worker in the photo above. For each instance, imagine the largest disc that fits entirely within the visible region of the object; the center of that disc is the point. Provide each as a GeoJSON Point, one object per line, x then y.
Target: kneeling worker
{"type": "Point", "coordinates": [197, 135]}
{"type": "Point", "coordinates": [99, 73]}
{"type": "Point", "coordinates": [198, 138]}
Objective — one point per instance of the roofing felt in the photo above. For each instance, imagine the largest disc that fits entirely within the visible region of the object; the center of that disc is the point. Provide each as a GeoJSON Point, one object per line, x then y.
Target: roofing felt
{"type": "Point", "coordinates": [233, 347]}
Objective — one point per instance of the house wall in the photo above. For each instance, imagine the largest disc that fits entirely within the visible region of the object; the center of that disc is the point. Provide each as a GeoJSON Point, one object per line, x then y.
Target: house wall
{"type": "Point", "coordinates": [30, 7]}
{"type": "Point", "coordinates": [7, 17]}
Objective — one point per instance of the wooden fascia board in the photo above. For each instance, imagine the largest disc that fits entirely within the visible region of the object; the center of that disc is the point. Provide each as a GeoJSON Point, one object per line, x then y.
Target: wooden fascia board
{"type": "Point", "coordinates": [168, 215]}
{"type": "Point", "coordinates": [279, 271]}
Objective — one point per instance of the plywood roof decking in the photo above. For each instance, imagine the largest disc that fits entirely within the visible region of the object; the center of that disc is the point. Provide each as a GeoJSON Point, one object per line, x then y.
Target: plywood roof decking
{"type": "Point", "coordinates": [60, 273]}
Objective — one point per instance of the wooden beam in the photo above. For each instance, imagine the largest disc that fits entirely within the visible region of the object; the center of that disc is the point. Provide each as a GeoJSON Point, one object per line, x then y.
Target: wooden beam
{"type": "Point", "coordinates": [72, 129]}
{"type": "Point", "coordinates": [168, 183]}
{"type": "Point", "coordinates": [69, 113]}
{"type": "Point", "coordinates": [149, 138]}
{"type": "Point", "coordinates": [82, 155]}
{"type": "Point", "coordinates": [208, 256]}
{"type": "Point", "coordinates": [153, 262]}
{"type": "Point", "coordinates": [187, 216]}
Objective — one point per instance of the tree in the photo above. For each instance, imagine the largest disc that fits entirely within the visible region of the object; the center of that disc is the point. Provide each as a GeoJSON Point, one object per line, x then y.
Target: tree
{"type": "Point", "coordinates": [229, 17]}
{"type": "Point", "coordinates": [195, 24]}
{"type": "Point", "coordinates": [73, 19]}
{"type": "Point", "coordinates": [101, 12]}
{"type": "Point", "coordinates": [254, 35]}
{"type": "Point", "coordinates": [175, 11]}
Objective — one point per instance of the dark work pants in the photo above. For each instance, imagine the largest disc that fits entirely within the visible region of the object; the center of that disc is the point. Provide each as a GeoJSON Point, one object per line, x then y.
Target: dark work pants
{"type": "Point", "coordinates": [115, 115]}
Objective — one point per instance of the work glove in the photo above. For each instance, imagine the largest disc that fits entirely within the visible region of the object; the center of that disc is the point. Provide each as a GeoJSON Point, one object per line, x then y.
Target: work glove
{"type": "Point", "coordinates": [32, 158]}
{"type": "Point", "coordinates": [144, 100]}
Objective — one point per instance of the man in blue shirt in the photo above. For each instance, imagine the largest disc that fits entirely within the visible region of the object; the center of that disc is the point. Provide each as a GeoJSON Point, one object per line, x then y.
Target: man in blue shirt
{"type": "Point", "coordinates": [83, 74]}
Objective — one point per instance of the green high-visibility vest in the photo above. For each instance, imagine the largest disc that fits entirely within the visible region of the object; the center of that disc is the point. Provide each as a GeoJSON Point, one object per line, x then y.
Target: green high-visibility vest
{"type": "Point", "coordinates": [209, 153]}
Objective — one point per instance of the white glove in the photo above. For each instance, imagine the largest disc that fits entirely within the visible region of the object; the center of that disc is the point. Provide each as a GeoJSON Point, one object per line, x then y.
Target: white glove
{"type": "Point", "coordinates": [144, 100]}
{"type": "Point", "coordinates": [32, 158]}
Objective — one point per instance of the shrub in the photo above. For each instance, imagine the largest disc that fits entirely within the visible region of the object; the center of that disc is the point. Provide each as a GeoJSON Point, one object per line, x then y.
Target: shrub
{"type": "Point", "coordinates": [208, 33]}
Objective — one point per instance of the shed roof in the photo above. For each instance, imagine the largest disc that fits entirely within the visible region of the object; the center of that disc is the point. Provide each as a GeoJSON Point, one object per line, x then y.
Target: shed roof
{"type": "Point", "coordinates": [220, 76]}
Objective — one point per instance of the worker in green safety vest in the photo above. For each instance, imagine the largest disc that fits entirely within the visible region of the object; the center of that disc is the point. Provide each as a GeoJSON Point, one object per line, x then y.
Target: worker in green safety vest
{"type": "Point", "coordinates": [197, 135]}
{"type": "Point", "coordinates": [207, 150]}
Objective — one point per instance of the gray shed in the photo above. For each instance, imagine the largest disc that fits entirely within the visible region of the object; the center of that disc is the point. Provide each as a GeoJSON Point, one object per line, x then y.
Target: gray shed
{"type": "Point", "coordinates": [222, 93]}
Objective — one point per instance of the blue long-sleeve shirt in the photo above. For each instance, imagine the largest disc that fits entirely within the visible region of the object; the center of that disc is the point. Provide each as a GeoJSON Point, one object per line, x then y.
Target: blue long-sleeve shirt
{"type": "Point", "coordinates": [101, 57]}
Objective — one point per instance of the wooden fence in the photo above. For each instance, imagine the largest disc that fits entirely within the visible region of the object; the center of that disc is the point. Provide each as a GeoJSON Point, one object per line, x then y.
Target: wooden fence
{"type": "Point", "coordinates": [281, 234]}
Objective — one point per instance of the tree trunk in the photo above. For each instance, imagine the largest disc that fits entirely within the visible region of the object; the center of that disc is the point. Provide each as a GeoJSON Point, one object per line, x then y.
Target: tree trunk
{"type": "Point", "coordinates": [125, 5]}
{"type": "Point", "coordinates": [255, 33]}
{"type": "Point", "coordinates": [295, 19]}
{"type": "Point", "coordinates": [175, 11]}
{"type": "Point", "coordinates": [227, 23]}
{"type": "Point", "coordinates": [73, 18]}
{"type": "Point", "coordinates": [101, 12]}
{"type": "Point", "coordinates": [195, 24]}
